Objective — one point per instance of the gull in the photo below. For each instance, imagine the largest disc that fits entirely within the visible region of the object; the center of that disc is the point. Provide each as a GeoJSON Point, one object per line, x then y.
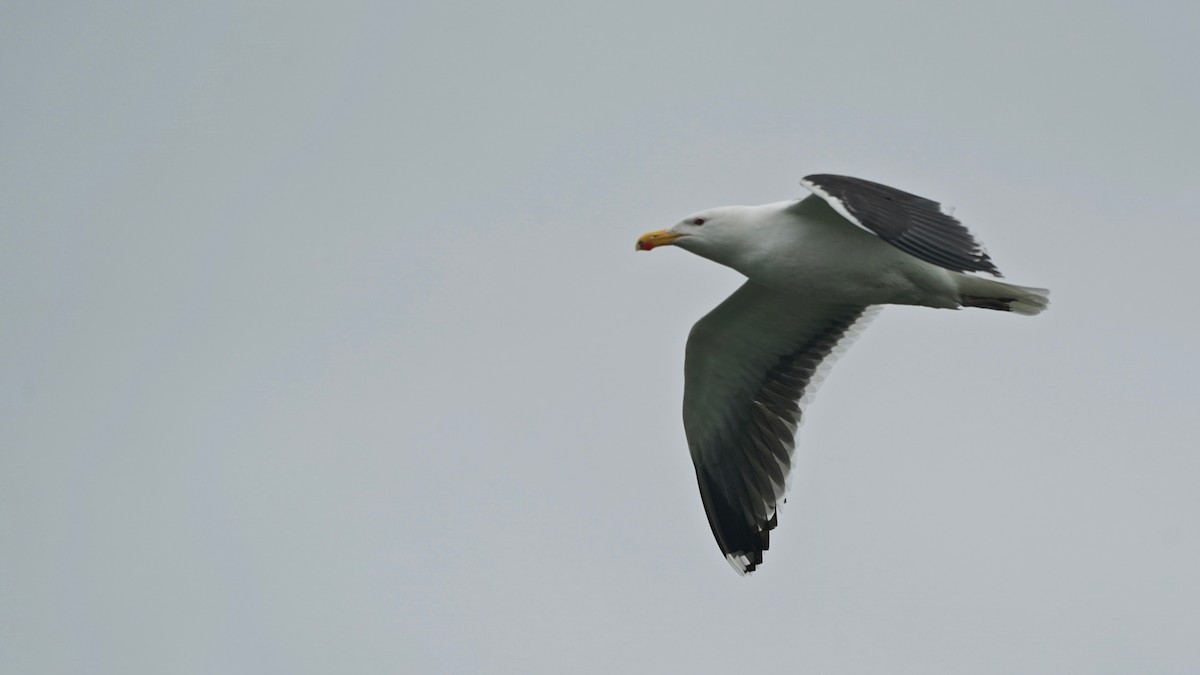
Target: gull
{"type": "Point", "coordinates": [817, 268]}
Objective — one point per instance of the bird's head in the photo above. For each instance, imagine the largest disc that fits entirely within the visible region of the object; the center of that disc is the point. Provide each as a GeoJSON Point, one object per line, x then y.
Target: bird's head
{"type": "Point", "coordinates": [713, 234]}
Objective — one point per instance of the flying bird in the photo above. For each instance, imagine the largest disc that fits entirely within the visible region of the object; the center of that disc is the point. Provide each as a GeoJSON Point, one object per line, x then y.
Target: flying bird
{"type": "Point", "coordinates": [816, 268]}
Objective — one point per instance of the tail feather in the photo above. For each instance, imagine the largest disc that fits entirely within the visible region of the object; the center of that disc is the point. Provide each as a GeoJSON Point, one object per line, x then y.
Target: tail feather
{"type": "Point", "coordinates": [988, 294]}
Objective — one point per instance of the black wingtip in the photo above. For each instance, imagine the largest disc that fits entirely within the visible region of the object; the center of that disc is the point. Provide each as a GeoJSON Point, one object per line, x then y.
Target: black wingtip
{"type": "Point", "coordinates": [742, 541]}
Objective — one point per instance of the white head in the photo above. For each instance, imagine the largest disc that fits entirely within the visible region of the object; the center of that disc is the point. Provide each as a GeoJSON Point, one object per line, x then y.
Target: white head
{"type": "Point", "coordinates": [717, 234]}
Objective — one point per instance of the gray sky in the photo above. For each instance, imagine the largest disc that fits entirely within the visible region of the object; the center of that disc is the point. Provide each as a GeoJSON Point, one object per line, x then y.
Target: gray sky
{"type": "Point", "coordinates": [327, 350]}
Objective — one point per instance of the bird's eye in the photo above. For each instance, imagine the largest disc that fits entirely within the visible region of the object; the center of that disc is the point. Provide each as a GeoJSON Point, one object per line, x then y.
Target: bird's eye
{"type": "Point", "coordinates": [698, 221]}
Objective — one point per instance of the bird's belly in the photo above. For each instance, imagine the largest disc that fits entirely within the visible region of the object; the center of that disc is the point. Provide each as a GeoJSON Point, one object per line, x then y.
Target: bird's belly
{"type": "Point", "coordinates": [844, 267]}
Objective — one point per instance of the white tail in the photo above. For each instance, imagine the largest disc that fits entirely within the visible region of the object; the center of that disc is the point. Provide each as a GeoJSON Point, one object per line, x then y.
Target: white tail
{"type": "Point", "coordinates": [988, 294]}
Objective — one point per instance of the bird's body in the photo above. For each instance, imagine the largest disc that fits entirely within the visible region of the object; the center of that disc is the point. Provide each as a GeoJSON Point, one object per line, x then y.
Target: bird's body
{"type": "Point", "coordinates": [815, 268]}
{"type": "Point", "coordinates": [805, 247]}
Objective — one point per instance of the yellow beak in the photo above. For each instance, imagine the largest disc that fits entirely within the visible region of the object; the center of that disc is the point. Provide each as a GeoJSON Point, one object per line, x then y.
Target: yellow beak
{"type": "Point", "coordinates": [657, 238]}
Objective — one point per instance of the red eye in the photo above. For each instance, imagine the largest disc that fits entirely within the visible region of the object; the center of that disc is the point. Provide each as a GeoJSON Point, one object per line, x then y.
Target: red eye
{"type": "Point", "coordinates": [698, 221]}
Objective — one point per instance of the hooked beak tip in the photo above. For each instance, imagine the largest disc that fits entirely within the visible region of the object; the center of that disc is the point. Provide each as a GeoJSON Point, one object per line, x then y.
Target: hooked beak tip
{"type": "Point", "coordinates": [652, 240]}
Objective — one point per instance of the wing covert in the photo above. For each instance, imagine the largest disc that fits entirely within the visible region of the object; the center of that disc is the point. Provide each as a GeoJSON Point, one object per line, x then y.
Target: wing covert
{"type": "Point", "coordinates": [913, 224]}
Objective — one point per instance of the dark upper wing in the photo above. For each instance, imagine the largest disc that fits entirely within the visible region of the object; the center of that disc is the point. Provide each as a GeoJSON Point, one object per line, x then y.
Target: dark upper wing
{"type": "Point", "coordinates": [751, 364]}
{"type": "Point", "coordinates": [915, 225]}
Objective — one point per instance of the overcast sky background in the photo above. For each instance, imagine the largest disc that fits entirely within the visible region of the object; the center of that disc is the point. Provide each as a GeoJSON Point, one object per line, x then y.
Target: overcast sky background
{"type": "Point", "coordinates": [326, 349]}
